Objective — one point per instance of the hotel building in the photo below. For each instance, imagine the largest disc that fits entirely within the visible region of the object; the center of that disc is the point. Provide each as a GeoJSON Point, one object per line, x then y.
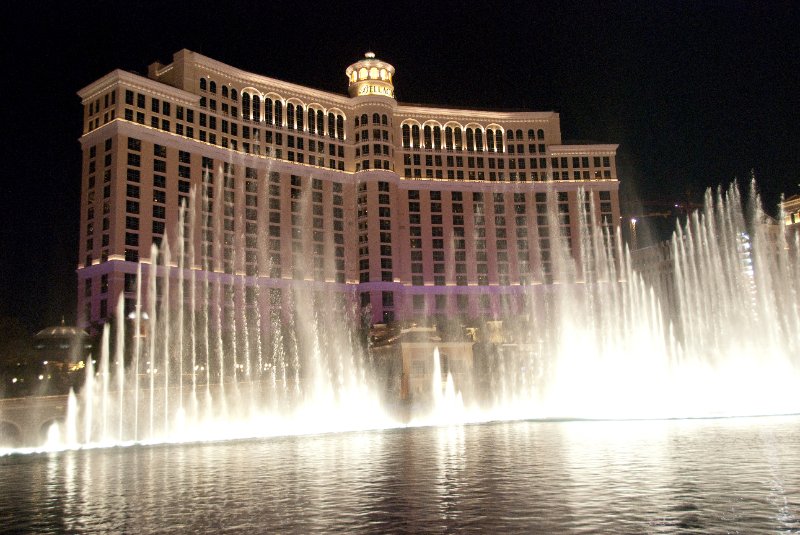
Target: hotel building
{"type": "Point", "coordinates": [791, 212]}
{"type": "Point", "coordinates": [412, 210]}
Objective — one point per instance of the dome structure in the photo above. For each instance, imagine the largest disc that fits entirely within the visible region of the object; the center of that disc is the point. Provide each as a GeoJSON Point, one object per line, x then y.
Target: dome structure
{"type": "Point", "coordinates": [370, 77]}
{"type": "Point", "coordinates": [61, 342]}
{"type": "Point", "coordinates": [59, 331]}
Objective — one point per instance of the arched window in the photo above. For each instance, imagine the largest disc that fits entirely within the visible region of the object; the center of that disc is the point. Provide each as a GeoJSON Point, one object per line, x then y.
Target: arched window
{"type": "Point", "coordinates": [290, 116]}
{"type": "Point", "coordinates": [437, 137]}
{"type": "Point", "coordinates": [212, 86]}
{"type": "Point", "coordinates": [479, 140]}
{"type": "Point", "coordinates": [470, 140]}
{"type": "Point", "coordinates": [540, 134]}
{"type": "Point", "coordinates": [531, 135]}
{"type": "Point", "coordinates": [406, 136]}
{"type": "Point", "coordinates": [448, 138]}
{"type": "Point", "coordinates": [225, 91]}
{"type": "Point", "coordinates": [320, 123]}
{"type": "Point", "coordinates": [356, 121]}
{"type": "Point", "coordinates": [331, 125]}
{"type": "Point", "coordinates": [340, 127]}
{"type": "Point", "coordinates": [427, 133]}
{"type": "Point", "coordinates": [245, 105]}
{"type": "Point", "coordinates": [458, 138]}
{"type": "Point", "coordinates": [364, 119]}
{"type": "Point", "coordinates": [300, 120]}
{"type": "Point", "coordinates": [203, 85]}
{"type": "Point", "coordinates": [278, 113]}
{"type": "Point", "coordinates": [519, 135]}
{"type": "Point", "coordinates": [234, 95]}
{"type": "Point", "coordinates": [376, 118]}
{"type": "Point", "coordinates": [510, 135]}
{"type": "Point", "coordinates": [490, 139]}
{"type": "Point", "coordinates": [312, 124]}
{"type": "Point", "coordinates": [268, 110]}
{"type": "Point", "coordinates": [384, 119]}
{"type": "Point", "coordinates": [256, 108]}
{"type": "Point", "coordinates": [498, 140]}
{"type": "Point", "coordinates": [415, 136]}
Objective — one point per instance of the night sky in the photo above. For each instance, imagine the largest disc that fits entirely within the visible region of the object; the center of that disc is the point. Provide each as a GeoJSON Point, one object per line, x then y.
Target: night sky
{"type": "Point", "coordinates": [695, 93]}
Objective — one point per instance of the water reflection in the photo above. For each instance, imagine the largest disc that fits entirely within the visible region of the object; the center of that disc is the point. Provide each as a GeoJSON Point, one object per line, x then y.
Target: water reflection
{"type": "Point", "coordinates": [694, 475]}
{"type": "Point", "coordinates": [651, 477]}
{"type": "Point", "coordinates": [451, 463]}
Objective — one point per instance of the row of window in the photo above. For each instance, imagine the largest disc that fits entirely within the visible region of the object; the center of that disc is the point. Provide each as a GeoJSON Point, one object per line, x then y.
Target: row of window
{"type": "Point", "coordinates": [105, 200]}
{"type": "Point", "coordinates": [335, 124]}
{"type": "Point", "coordinates": [109, 99]}
{"type": "Point", "coordinates": [377, 119]}
{"type": "Point", "coordinates": [420, 303]}
{"type": "Point", "coordinates": [454, 140]}
{"type": "Point", "coordinates": [473, 162]}
{"type": "Point", "coordinates": [432, 135]}
{"type": "Point", "coordinates": [296, 118]}
{"type": "Point", "coordinates": [273, 111]}
{"type": "Point", "coordinates": [411, 133]}
{"type": "Point", "coordinates": [497, 196]}
{"type": "Point", "coordinates": [94, 108]}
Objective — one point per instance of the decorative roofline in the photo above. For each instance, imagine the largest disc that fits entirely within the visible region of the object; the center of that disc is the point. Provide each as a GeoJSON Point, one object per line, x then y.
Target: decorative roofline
{"type": "Point", "coordinates": [269, 84]}
{"type": "Point", "coordinates": [583, 150]}
{"type": "Point", "coordinates": [246, 77]}
{"type": "Point", "coordinates": [118, 76]}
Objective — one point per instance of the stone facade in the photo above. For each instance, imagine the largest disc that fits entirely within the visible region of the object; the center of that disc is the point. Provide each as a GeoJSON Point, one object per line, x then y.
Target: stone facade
{"type": "Point", "coordinates": [410, 210]}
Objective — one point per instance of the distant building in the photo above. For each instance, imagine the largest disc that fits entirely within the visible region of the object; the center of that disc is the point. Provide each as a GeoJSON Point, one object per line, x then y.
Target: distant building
{"type": "Point", "coordinates": [406, 357]}
{"type": "Point", "coordinates": [791, 214]}
{"type": "Point", "coordinates": [409, 210]}
{"type": "Point", "coordinates": [63, 345]}
{"type": "Point", "coordinates": [791, 210]}
{"type": "Point", "coordinates": [55, 364]}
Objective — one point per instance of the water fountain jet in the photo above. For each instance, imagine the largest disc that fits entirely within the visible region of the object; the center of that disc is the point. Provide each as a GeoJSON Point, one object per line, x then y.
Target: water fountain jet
{"type": "Point", "coordinates": [719, 338]}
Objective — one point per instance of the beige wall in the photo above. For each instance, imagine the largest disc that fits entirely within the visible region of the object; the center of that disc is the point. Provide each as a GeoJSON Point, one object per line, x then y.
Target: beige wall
{"type": "Point", "coordinates": [359, 220]}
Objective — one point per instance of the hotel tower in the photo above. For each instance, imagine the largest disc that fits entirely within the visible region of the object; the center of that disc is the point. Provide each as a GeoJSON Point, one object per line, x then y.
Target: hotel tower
{"type": "Point", "coordinates": [264, 187]}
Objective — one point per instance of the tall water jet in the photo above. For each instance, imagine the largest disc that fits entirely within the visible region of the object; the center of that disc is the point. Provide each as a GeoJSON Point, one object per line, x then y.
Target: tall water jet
{"type": "Point", "coordinates": [447, 404]}
{"type": "Point", "coordinates": [119, 360]}
{"type": "Point", "coordinates": [715, 337]}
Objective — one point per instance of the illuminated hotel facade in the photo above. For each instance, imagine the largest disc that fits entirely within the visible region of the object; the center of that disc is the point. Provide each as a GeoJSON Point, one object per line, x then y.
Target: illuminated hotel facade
{"type": "Point", "coordinates": [412, 210]}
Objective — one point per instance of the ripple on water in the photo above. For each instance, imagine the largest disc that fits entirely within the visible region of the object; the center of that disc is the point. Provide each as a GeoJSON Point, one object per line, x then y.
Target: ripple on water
{"type": "Point", "coordinates": [712, 476]}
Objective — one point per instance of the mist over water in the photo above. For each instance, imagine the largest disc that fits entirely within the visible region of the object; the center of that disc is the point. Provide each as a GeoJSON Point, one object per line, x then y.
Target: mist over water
{"type": "Point", "coordinates": [713, 331]}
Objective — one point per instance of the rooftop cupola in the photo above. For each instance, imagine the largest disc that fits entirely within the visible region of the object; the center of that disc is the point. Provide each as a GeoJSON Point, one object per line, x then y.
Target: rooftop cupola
{"type": "Point", "coordinates": [370, 76]}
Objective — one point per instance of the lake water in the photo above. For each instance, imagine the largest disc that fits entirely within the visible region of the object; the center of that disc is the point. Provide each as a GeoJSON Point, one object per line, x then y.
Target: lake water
{"type": "Point", "coordinates": [679, 476]}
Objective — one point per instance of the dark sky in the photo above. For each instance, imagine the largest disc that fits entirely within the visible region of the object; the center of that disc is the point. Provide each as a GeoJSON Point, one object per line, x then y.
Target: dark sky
{"type": "Point", "coordinates": [695, 93]}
